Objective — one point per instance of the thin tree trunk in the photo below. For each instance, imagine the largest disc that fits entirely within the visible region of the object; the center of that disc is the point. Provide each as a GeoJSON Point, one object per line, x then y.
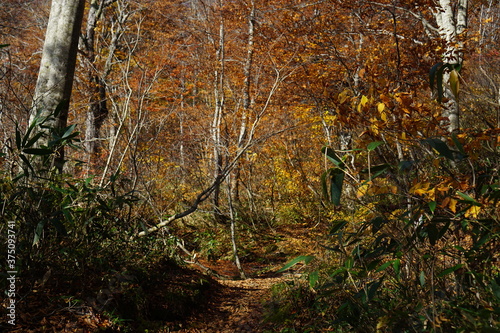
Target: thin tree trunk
{"type": "Point", "coordinates": [98, 109]}
{"type": "Point", "coordinates": [247, 100]}
{"type": "Point", "coordinates": [219, 96]}
{"type": "Point", "coordinates": [234, 244]}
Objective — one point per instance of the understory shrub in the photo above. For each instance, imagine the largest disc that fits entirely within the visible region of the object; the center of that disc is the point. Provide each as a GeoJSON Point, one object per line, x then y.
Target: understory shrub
{"type": "Point", "coordinates": [424, 257]}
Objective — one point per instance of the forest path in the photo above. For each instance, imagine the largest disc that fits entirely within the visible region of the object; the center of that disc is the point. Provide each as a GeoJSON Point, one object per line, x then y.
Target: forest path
{"type": "Point", "coordinates": [238, 306]}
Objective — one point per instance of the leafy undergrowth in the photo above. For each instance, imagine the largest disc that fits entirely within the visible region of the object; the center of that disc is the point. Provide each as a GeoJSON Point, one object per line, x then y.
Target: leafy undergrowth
{"type": "Point", "coordinates": [413, 255]}
{"type": "Point", "coordinates": [131, 299]}
{"type": "Point", "coordinates": [156, 294]}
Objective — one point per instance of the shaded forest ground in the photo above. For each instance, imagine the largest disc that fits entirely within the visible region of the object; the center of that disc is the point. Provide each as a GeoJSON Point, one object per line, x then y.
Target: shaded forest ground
{"type": "Point", "coordinates": [162, 297]}
{"type": "Point", "coordinates": [238, 306]}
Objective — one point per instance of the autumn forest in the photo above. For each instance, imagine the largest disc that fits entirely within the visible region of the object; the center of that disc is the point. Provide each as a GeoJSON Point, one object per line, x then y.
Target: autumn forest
{"type": "Point", "coordinates": [348, 151]}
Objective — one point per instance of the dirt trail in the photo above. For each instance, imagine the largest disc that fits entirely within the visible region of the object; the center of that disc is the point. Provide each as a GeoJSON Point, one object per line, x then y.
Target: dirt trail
{"type": "Point", "coordinates": [238, 307]}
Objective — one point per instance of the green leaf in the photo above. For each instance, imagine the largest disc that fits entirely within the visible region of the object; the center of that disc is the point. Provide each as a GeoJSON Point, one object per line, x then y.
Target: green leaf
{"type": "Point", "coordinates": [59, 226]}
{"type": "Point", "coordinates": [433, 234]}
{"type": "Point", "coordinates": [405, 165]}
{"type": "Point", "coordinates": [444, 229]}
{"type": "Point", "coordinates": [372, 289]}
{"type": "Point", "coordinates": [4, 45]}
{"type": "Point", "coordinates": [376, 171]}
{"type": "Point", "coordinates": [349, 262]}
{"type": "Point", "coordinates": [432, 206]}
{"type": "Point", "coordinates": [330, 154]}
{"type": "Point", "coordinates": [459, 146]}
{"type": "Point", "coordinates": [324, 185]}
{"type": "Point", "coordinates": [338, 271]}
{"type": "Point", "coordinates": [450, 270]}
{"type": "Point", "coordinates": [396, 265]}
{"type": "Point", "coordinates": [313, 279]}
{"type": "Point", "coordinates": [331, 183]}
{"type": "Point", "coordinates": [33, 140]}
{"type": "Point", "coordinates": [74, 188]}
{"type": "Point", "coordinates": [483, 240]}
{"type": "Point", "coordinates": [38, 232]}
{"type": "Point", "coordinates": [27, 162]}
{"type": "Point", "coordinates": [436, 75]}
{"type": "Point", "coordinates": [376, 168]}
{"type": "Point", "coordinates": [441, 147]}
{"type": "Point", "coordinates": [432, 74]}
{"type": "Point", "coordinates": [332, 179]}
{"type": "Point", "coordinates": [336, 182]}
{"type": "Point", "coordinates": [377, 223]}
{"type": "Point", "coordinates": [36, 121]}
{"type": "Point", "coordinates": [421, 278]}
{"type": "Point", "coordinates": [305, 259]}
{"type": "Point", "coordinates": [468, 199]}
{"type": "Point", "coordinates": [371, 266]}
{"type": "Point", "coordinates": [439, 79]}
{"type": "Point", "coordinates": [68, 130]}
{"type": "Point", "coordinates": [38, 151]}
{"type": "Point", "coordinates": [489, 329]}
{"type": "Point", "coordinates": [373, 145]}
{"type": "Point", "coordinates": [60, 107]}
{"type": "Point", "coordinates": [18, 138]}
{"type": "Point", "coordinates": [496, 289]}
{"type": "Point", "coordinates": [337, 225]}
{"type": "Point", "coordinates": [384, 266]}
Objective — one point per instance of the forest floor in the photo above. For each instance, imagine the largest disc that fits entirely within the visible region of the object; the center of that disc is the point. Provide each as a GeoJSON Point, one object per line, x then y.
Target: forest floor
{"type": "Point", "coordinates": [161, 297]}
{"type": "Point", "coordinates": [228, 306]}
{"type": "Point", "coordinates": [238, 306]}
{"type": "Point", "coordinates": [241, 306]}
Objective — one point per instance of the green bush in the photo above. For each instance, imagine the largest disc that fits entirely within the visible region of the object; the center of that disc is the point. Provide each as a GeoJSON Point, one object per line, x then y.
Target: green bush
{"type": "Point", "coordinates": [425, 256]}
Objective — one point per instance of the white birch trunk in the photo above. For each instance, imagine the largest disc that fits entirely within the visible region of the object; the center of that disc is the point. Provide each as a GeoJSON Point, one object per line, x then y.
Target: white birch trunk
{"type": "Point", "coordinates": [247, 99]}
{"type": "Point", "coordinates": [451, 25]}
{"type": "Point", "coordinates": [219, 96]}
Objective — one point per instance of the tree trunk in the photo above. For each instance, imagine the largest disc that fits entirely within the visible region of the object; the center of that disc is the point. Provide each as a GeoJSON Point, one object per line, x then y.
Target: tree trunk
{"type": "Point", "coordinates": [57, 68]}
{"type": "Point", "coordinates": [97, 105]}
{"type": "Point", "coordinates": [247, 101]}
{"type": "Point", "coordinates": [234, 242]}
{"type": "Point", "coordinates": [451, 25]}
{"type": "Point", "coordinates": [219, 97]}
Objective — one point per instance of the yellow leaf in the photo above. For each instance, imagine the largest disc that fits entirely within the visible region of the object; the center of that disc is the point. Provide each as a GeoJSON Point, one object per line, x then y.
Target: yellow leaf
{"type": "Point", "coordinates": [383, 116]}
{"type": "Point", "coordinates": [374, 126]}
{"type": "Point", "coordinates": [364, 100]}
{"type": "Point", "coordinates": [381, 107]}
{"type": "Point", "coordinates": [381, 110]}
{"type": "Point", "coordinates": [362, 191]}
{"type": "Point", "coordinates": [473, 212]}
{"type": "Point", "coordinates": [382, 323]}
{"type": "Point", "coordinates": [419, 188]}
{"type": "Point", "coordinates": [454, 83]}
{"type": "Point", "coordinates": [344, 95]}
{"type": "Point", "coordinates": [362, 103]}
{"type": "Point", "coordinates": [431, 194]}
